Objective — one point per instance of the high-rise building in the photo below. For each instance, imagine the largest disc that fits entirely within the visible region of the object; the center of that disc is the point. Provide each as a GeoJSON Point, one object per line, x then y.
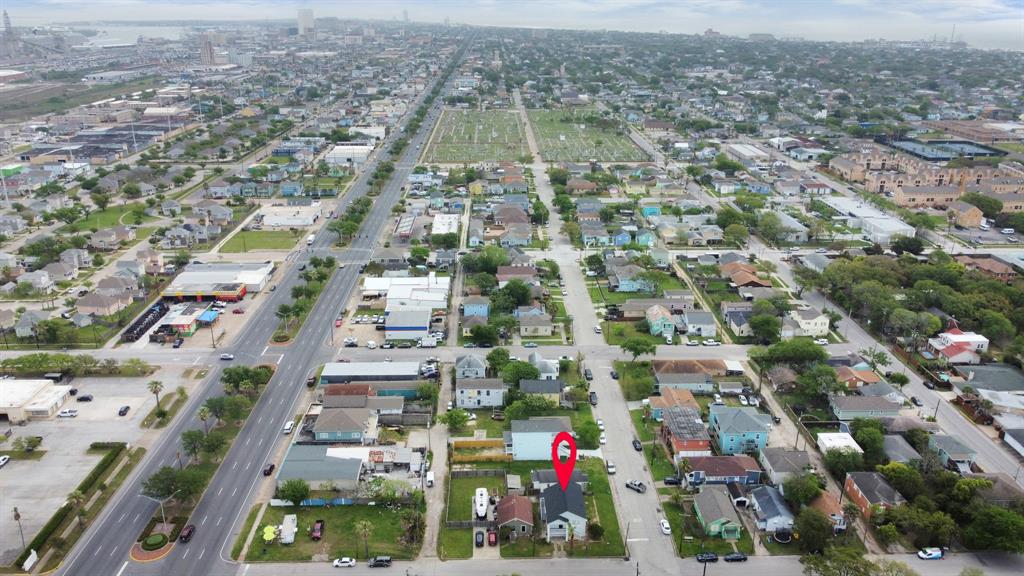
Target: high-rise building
{"type": "Point", "coordinates": [206, 54]}
{"type": "Point", "coordinates": [307, 26]}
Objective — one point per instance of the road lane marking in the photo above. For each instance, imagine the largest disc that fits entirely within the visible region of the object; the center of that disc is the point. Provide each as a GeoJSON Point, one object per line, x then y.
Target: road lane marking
{"type": "Point", "coordinates": [247, 440]}
{"type": "Point", "coordinates": [260, 420]}
{"type": "Point", "coordinates": [196, 361]}
{"type": "Point", "coordinates": [638, 540]}
{"type": "Point", "coordinates": [204, 520]}
{"type": "Point", "coordinates": [112, 550]}
{"type": "Point", "coordinates": [279, 359]}
{"type": "Point", "coordinates": [136, 518]}
{"type": "Point", "coordinates": [122, 517]}
{"type": "Point", "coordinates": [235, 465]}
{"type": "Point", "coordinates": [201, 553]}
{"type": "Point", "coordinates": [247, 464]}
{"type": "Point", "coordinates": [219, 520]}
{"type": "Point", "coordinates": [260, 443]}
{"type": "Point", "coordinates": [235, 490]}
{"type": "Point", "coordinates": [185, 555]}
{"type": "Point", "coordinates": [98, 550]}
{"type": "Point", "coordinates": [123, 566]}
{"type": "Point", "coordinates": [265, 350]}
{"type": "Point", "coordinates": [219, 491]}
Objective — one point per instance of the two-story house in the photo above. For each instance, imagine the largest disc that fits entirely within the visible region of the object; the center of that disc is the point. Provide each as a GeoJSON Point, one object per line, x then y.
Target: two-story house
{"type": "Point", "coordinates": [470, 366]}
{"type": "Point", "coordinates": [811, 322]}
{"type": "Point", "coordinates": [871, 492]}
{"type": "Point", "coordinates": [475, 393]}
{"type": "Point", "coordinates": [564, 512]}
{"type": "Point", "coordinates": [739, 430]}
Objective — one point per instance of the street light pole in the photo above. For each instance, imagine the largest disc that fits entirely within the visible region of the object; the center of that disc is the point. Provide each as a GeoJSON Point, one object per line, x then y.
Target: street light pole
{"type": "Point", "coordinates": [17, 518]}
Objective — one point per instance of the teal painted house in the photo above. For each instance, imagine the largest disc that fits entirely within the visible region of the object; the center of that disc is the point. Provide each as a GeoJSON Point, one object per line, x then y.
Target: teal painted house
{"type": "Point", "coordinates": [349, 425]}
{"type": "Point", "coordinates": [739, 430]}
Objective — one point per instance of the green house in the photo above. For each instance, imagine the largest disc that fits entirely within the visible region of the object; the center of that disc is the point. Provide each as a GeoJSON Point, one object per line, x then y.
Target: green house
{"type": "Point", "coordinates": [716, 514]}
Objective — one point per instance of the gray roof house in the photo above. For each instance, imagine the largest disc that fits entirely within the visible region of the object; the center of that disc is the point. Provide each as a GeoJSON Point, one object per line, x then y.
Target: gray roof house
{"type": "Point", "coordinates": [544, 387]}
{"type": "Point", "coordinates": [564, 513]}
{"type": "Point", "coordinates": [780, 464]}
{"type": "Point", "coordinates": [473, 393]}
{"type": "Point", "coordinates": [542, 479]}
{"type": "Point", "coordinates": [470, 366]}
{"type": "Point", "coordinates": [26, 326]}
{"type": "Point", "coordinates": [770, 509]}
{"type": "Point", "coordinates": [548, 368]}
{"type": "Point", "coordinates": [700, 323]}
{"type": "Point", "coordinates": [315, 464]}
{"type": "Point", "coordinates": [897, 449]}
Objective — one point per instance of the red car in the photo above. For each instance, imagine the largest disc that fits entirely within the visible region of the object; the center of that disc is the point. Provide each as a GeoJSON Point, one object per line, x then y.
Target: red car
{"type": "Point", "coordinates": [238, 311]}
{"type": "Point", "coordinates": [492, 538]}
{"type": "Point", "coordinates": [337, 323]}
{"type": "Point", "coordinates": [318, 530]}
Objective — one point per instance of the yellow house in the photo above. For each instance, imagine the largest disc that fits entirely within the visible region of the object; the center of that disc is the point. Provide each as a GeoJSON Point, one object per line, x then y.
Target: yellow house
{"type": "Point", "coordinates": [477, 186]}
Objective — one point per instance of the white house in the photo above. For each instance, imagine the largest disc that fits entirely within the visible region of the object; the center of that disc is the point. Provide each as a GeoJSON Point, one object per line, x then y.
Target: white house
{"type": "Point", "coordinates": [959, 347]}
{"type": "Point", "coordinates": [531, 439]}
{"type": "Point", "coordinates": [470, 366]}
{"type": "Point", "coordinates": [700, 323]}
{"type": "Point", "coordinates": [770, 509]}
{"type": "Point", "coordinates": [811, 322]}
{"type": "Point", "coordinates": [548, 368]}
{"type": "Point", "coordinates": [473, 393]}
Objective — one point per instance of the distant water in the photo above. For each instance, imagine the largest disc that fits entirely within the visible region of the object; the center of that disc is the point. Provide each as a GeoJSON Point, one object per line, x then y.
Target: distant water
{"type": "Point", "coordinates": [112, 34]}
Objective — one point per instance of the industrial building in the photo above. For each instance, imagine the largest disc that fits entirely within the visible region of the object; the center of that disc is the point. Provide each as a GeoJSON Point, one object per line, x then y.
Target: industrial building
{"type": "Point", "coordinates": [340, 372]}
{"type": "Point", "coordinates": [876, 225]}
{"type": "Point", "coordinates": [219, 281]}
{"type": "Point", "coordinates": [22, 400]}
{"type": "Point", "coordinates": [407, 324]}
{"type": "Point", "coordinates": [353, 153]}
{"type": "Point", "coordinates": [445, 224]}
{"type": "Point", "coordinates": [291, 216]}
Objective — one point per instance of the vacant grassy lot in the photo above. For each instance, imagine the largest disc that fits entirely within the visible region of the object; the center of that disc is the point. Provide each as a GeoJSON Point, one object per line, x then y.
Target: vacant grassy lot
{"type": "Point", "coordinates": [473, 136]}
{"type": "Point", "coordinates": [568, 135]}
{"type": "Point", "coordinates": [644, 428]}
{"type": "Point", "coordinates": [454, 543]}
{"type": "Point", "coordinates": [636, 379]}
{"type": "Point", "coordinates": [249, 240]}
{"type": "Point", "coordinates": [340, 537]}
{"type": "Point", "coordinates": [112, 216]}
{"type": "Point", "coordinates": [616, 333]}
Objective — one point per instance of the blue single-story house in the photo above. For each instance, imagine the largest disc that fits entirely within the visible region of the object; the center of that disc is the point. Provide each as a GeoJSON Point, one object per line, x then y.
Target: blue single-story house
{"type": "Point", "coordinates": [292, 189]}
{"type": "Point", "coordinates": [476, 306]}
{"type": "Point", "coordinates": [621, 238]}
{"type": "Point", "coordinates": [646, 237]}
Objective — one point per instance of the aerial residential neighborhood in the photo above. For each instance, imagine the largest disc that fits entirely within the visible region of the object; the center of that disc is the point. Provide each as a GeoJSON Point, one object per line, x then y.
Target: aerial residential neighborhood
{"type": "Point", "coordinates": [298, 290]}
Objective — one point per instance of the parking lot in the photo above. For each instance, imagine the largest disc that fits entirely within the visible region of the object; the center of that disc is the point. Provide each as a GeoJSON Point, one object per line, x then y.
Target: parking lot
{"type": "Point", "coordinates": [985, 237]}
{"type": "Point", "coordinates": [39, 487]}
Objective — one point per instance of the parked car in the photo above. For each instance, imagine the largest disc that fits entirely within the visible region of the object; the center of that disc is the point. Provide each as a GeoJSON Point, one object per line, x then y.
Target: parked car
{"type": "Point", "coordinates": [345, 562]}
{"type": "Point", "coordinates": [615, 375]}
{"type": "Point", "coordinates": [187, 533]}
{"type": "Point", "coordinates": [610, 467]}
{"type": "Point", "coordinates": [931, 553]}
{"type": "Point", "coordinates": [673, 481]}
{"type": "Point", "coordinates": [530, 345]}
{"type": "Point", "coordinates": [636, 486]}
{"type": "Point", "coordinates": [318, 530]}
{"type": "Point", "coordinates": [692, 342]}
{"type": "Point", "coordinates": [600, 424]}
{"type": "Point", "coordinates": [707, 557]}
{"type": "Point", "coordinates": [588, 374]}
{"type": "Point", "coordinates": [492, 538]}
{"type": "Point", "coordinates": [666, 528]}
{"type": "Point", "coordinates": [4, 460]}
{"type": "Point", "coordinates": [123, 410]}
{"type": "Point", "coordinates": [269, 469]}
{"type": "Point", "coordinates": [637, 445]}
{"type": "Point", "coordinates": [711, 343]}
{"type": "Point", "coordinates": [85, 398]}
{"type": "Point", "coordinates": [916, 401]}
{"type": "Point", "coordinates": [735, 557]}
{"type": "Point", "coordinates": [821, 341]}
{"type": "Point", "coordinates": [178, 342]}
{"type": "Point", "coordinates": [479, 539]}
{"type": "Point", "coordinates": [68, 413]}
{"type": "Point", "coordinates": [593, 398]}
{"type": "Point", "coordinates": [238, 311]}
{"type": "Point", "coordinates": [597, 329]}
{"type": "Point", "coordinates": [603, 439]}
{"type": "Point", "coordinates": [379, 562]}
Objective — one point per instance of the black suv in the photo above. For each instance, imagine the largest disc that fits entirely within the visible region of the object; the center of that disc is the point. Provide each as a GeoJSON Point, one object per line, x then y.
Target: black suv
{"type": "Point", "coordinates": [707, 557]}
{"type": "Point", "coordinates": [186, 533]}
{"type": "Point", "coordinates": [379, 562]}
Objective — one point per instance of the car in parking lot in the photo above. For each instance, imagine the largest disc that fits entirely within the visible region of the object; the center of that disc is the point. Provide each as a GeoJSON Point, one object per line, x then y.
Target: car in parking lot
{"type": "Point", "coordinates": [916, 401]}
{"type": "Point", "coordinates": [187, 533]}
{"type": "Point", "coordinates": [637, 445]}
{"type": "Point", "coordinates": [479, 539]}
{"type": "Point", "coordinates": [123, 410]}
{"type": "Point", "coordinates": [735, 557]}
{"type": "Point", "coordinates": [68, 413]}
{"type": "Point", "coordinates": [227, 356]}
{"type": "Point", "coordinates": [85, 398]}
{"type": "Point", "coordinates": [269, 469]}
{"type": "Point", "coordinates": [931, 554]}
{"type": "Point", "coordinates": [666, 528]}
{"type": "Point", "coordinates": [345, 562]}
{"type": "Point", "coordinates": [707, 557]}
{"type": "Point", "coordinates": [636, 486]}
{"type": "Point", "coordinates": [318, 530]}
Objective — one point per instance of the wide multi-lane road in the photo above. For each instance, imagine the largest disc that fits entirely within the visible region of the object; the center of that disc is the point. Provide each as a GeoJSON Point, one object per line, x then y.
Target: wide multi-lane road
{"type": "Point", "coordinates": [104, 549]}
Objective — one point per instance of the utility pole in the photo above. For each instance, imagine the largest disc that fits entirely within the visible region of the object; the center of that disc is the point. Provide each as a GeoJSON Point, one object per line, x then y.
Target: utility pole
{"type": "Point", "coordinates": [17, 518]}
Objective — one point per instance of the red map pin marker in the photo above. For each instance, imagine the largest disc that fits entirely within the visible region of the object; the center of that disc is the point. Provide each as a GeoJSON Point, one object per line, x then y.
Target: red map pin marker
{"type": "Point", "coordinates": [563, 469]}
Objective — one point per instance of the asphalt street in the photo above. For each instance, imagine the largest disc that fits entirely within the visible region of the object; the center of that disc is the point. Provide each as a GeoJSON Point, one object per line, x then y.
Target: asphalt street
{"type": "Point", "coordinates": [104, 548]}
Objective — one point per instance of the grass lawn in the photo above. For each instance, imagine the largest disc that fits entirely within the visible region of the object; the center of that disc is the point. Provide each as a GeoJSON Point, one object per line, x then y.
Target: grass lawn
{"type": "Point", "coordinates": [237, 548]}
{"type": "Point", "coordinates": [109, 218]}
{"type": "Point", "coordinates": [527, 547]}
{"type": "Point", "coordinates": [249, 240]}
{"type": "Point", "coordinates": [567, 135]}
{"type": "Point", "coordinates": [657, 459]}
{"type": "Point", "coordinates": [23, 455]}
{"type": "Point", "coordinates": [484, 421]}
{"type": "Point", "coordinates": [570, 373]}
{"type": "Point", "coordinates": [636, 379]}
{"type": "Point", "coordinates": [644, 428]}
{"type": "Point", "coordinates": [616, 333]}
{"type": "Point", "coordinates": [776, 549]}
{"type": "Point", "coordinates": [475, 136]}
{"type": "Point", "coordinates": [460, 496]}
{"type": "Point", "coordinates": [454, 543]}
{"type": "Point", "coordinates": [340, 537]}
{"type": "Point", "coordinates": [1011, 147]}
{"type": "Point", "coordinates": [693, 540]}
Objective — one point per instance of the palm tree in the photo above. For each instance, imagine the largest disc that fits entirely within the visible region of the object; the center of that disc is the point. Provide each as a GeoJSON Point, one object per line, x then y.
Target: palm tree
{"type": "Point", "coordinates": [77, 499]}
{"type": "Point", "coordinates": [284, 313]}
{"type": "Point", "coordinates": [247, 387]}
{"type": "Point", "coordinates": [155, 387]}
{"type": "Point", "coordinates": [204, 415]}
{"type": "Point", "coordinates": [364, 528]}
{"type": "Point", "coordinates": [570, 534]}
{"type": "Point", "coordinates": [413, 521]}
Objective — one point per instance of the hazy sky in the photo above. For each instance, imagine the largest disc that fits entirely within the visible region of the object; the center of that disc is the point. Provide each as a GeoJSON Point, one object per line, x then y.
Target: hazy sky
{"type": "Point", "coordinates": [982, 23]}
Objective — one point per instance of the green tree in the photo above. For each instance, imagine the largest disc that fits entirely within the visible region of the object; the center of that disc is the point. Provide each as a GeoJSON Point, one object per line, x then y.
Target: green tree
{"type": "Point", "coordinates": [911, 244]}
{"type": "Point", "coordinates": [294, 490]}
{"type": "Point", "coordinates": [497, 359]}
{"type": "Point", "coordinates": [204, 415]}
{"type": "Point", "coordinates": [875, 357]}
{"type": "Point", "coordinates": [839, 462]}
{"type": "Point", "coordinates": [735, 234]}
{"type": "Point", "coordinates": [155, 387]}
{"type": "Point", "coordinates": [814, 528]}
{"type": "Point", "coordinates": [769, 227]}
{"type": "Point", "coordinates": [799, 352]}
{"type": "Point", "coordinates": [161, 484]}
{"type": "Point", "coordinates": [364, 528]}
{"type": "Point", "coordinates": [801, 489]}
{"type": "Point", "coordinates": [765, 329]}
{"type": "Point", "coordinates": [989, 206]}
{"type": "Point", "coordinates": [530, 405]}
{"type": "Point", "coordinates": [637, 346]}
{"type": "Point", "coordinates": [101, 200]}
{"type": "Point", "coordinates": [192, 442]}
{"type": "Point", "coordinates": [818, 380]}
{"type": "Point", "coordinates": [871, 441]}
{"type": "Point", "coordinates": [588, 435]}
{"type": "Point", "coordinates": [456, 420]}
{"type": "Point", "coordinates": [483, 335]}
{"type": "Point", "coordinates": [516, 371]}
{"type": "Point", "coordinates": [995, 528]}
{"type": "Point", "coordinates": [214, 443]}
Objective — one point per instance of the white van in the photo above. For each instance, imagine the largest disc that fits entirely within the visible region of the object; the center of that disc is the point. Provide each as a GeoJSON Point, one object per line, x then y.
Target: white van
{"type": "Point", "coordinates": [430, 479]}
{"type": "Point", "coordinates": [310, 239]}
{"type": "Point", "coordinates": [288, 427]}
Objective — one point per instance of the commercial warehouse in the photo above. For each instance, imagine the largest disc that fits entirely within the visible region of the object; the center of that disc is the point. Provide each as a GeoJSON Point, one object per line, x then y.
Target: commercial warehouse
{"type": "Point", "coordinates": [340, 372]}
{"type": "Point", "coordinates": [407, 324]}
{"type": "Point", "coordinates": [219, 281]}
{"type": "Point", "coordinates": [22, 400]}
{"type": "Point", "coordinates": [291, 216]}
